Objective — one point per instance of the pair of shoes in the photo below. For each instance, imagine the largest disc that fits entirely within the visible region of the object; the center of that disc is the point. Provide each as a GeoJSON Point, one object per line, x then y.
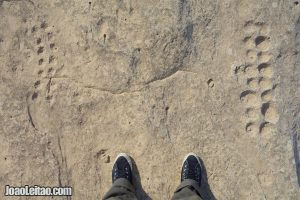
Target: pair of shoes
{"type": "Point", "coordinates": [191, 168]}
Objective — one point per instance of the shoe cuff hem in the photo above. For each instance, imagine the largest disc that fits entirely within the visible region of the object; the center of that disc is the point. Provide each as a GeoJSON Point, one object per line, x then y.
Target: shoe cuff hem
{"type": "Point", "coordinates": [188, 183]}
{"type": "Point", "coordinates": [123, 182]}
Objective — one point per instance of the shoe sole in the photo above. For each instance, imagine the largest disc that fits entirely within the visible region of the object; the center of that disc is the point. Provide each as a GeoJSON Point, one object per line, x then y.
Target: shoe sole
{"type": "Point", "coordinates": [192, 154]}
{"type": "Point", "coordinates": [126, 157]}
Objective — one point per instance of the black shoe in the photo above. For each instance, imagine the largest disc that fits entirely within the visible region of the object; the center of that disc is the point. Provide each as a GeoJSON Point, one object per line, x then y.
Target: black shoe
{"type": "Point", "coordinates": [122, 168]}
{"type": "Point", "coordinates": [191, 168]}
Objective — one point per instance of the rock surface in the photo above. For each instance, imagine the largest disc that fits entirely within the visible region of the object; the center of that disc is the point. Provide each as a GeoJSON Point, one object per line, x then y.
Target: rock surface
{"type": "Point", "coordinates": [82, 81]}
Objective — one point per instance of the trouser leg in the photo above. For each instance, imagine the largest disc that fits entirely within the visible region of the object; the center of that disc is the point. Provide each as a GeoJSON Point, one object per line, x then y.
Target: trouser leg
{"type": "Point", "coordinates": [122, 189]}
{"type": "Point", "coordinates": [187, 190]}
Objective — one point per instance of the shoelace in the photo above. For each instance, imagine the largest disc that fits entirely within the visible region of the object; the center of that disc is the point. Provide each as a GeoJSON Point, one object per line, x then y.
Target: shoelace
{"type": "Point", "coordinates": [191, 173]}
{"type": "Point", "coordinates": [121, 173]}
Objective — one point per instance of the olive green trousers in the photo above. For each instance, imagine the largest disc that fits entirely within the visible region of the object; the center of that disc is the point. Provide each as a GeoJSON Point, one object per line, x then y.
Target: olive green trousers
{"type": "Point", "coordinates": [122, 189]}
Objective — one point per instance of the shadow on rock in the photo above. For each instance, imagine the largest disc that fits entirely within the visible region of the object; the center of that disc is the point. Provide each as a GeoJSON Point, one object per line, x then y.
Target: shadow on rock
{"type": "Point", "coordinates": [139, 191]}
